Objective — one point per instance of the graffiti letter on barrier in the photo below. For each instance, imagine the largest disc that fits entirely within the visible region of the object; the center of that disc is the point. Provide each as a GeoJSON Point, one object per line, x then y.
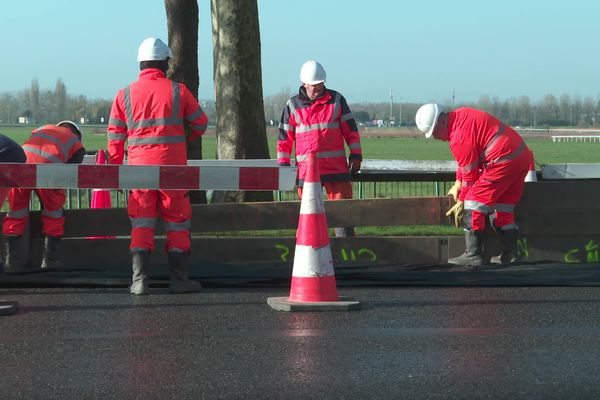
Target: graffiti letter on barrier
{"type": "Point", "coordinates": [570, 257]}
{"type": "Point", "coordinates": [284, 251]}
{"type": "Point", "coordinates": [592, 251]}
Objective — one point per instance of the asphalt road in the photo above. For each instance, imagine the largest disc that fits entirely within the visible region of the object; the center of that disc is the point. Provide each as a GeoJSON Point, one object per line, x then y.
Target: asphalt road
{"type": "Point", "coordinates": [405, 343]}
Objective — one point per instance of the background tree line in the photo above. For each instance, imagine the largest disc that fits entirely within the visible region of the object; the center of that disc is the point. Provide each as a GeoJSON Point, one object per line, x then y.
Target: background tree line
{"type": "Point", "coordinates": [41, 106]}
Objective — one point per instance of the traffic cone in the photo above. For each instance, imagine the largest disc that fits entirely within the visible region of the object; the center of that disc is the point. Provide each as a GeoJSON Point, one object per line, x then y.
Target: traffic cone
{"type": "Point", "coordinates": [313, 286]}
{"type": "Point", "coordinates": [100, 197]}
{"type": "Point", "coordinates": [532, 174]}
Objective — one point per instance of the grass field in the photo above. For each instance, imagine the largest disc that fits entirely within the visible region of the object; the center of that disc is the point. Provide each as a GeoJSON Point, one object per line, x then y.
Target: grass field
{"type": "Point", "coordinates": [386, 147]}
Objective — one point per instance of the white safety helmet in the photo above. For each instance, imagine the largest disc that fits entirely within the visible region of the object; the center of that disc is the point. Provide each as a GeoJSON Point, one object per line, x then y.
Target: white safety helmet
{"type": "Point", "coordinates": [312, 73]}
{"type": "Point", "coordinates": [426, 118]}
{"type": "Point", "coordinates": [153, 49]}
{"type": "Point", "coordinates": [72, 124]}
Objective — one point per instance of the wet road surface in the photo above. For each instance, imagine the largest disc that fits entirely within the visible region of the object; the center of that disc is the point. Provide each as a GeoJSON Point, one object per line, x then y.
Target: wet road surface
{"type": "Point", "coordinates": [405, 343]}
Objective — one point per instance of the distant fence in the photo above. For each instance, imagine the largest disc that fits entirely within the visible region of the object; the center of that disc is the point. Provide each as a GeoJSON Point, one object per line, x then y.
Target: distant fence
{"type": "Point", "coordinates": [575, 138]}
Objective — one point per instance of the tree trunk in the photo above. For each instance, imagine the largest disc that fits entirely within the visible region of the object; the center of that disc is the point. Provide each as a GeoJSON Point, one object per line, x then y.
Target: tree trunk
{"type": "Point", "coordinates": [182, 25]}
{"type": "Point", "coordinates": [241, 131]}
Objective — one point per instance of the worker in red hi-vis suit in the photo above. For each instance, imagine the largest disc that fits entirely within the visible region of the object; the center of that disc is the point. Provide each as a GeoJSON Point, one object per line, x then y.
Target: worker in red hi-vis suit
{"type": "Point", "coordinates": [151, 115]}
{"type": "Point", "coordinates": [319, 118]}
{"type": "Point", "coordinates": [59, 143]}
{"type": "Point", "coordinates": [493, 161]}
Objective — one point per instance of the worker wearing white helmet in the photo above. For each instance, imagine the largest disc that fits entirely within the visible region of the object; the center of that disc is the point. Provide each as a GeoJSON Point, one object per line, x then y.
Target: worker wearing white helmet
{"type": "Point", "coordinates": [152, 114]}
{"type": "Point", "coordinates": [493, 161]}
{"type": "Point", "coordinates": [319, 120]}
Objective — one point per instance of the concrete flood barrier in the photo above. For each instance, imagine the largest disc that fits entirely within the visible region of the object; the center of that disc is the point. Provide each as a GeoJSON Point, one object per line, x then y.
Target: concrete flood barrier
{"type": "Point", "coordinates": [559, 222]}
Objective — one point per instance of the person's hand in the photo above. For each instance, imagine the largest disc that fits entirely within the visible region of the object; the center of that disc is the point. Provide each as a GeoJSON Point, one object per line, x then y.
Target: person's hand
{"type": "Point", "coordinates": [458, 211]}
{"type": "Point", "coordinates": [355, 165]}
{"type": "Point", "coordinates": [284, 164]}
{"type": "Point", "coordinates": [455, 190]}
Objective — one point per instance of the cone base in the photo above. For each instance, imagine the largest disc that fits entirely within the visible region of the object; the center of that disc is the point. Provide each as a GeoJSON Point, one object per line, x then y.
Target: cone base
{"type": "Point", "coordinates": [285, 304]}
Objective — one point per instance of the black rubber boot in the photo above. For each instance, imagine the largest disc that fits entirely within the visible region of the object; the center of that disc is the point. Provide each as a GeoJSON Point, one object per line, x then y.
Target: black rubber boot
{"type": "Point", "coordinates": [50, 259]}
{"type": "Point", "coordinates": [180, 283]}
{"type": "Point", "coordinates": [140, 282]}
{"type": "Point", "coordinates": [509, 247]}
{"type": "Point", "coordinates": [473, 255]}
{"type": "Point", "coordinates": [14, 260]}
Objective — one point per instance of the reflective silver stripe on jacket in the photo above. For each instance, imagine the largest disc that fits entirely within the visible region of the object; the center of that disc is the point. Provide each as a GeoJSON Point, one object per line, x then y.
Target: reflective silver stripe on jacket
{"type": "Point", "coordinates": [194, 116]}
{"type": "Point", "coordinates": [177, 226]}
{"type": "Point", "coordinates": [18, 214]}
{"type": "Point", "coordinates": [337, 104]}
{"type": "Point", "coordinates": [508, 157]}
{"type": "Point", "coordinates": [53, 214]}
{"type": "Point", "coordinates": [293, 111]}
{"type": "Point", "coordinates": [347, 117]}
{"type": "Point", "coordinates": [477, 206]}
{"type": "Point", "coordinates": [143, 222]}
{"type": "Point", "coordinates": [322, 154]}
{"type": "Point", "coordinates": [121, 137]}
{"type": "Point", "coordinates": [154, 122]}
{"type": "Point", "coordinates": [48, 156]}
{"type": "Point", "coordinates": [198, 127]}
{"type": "Point", "coordinates": [483, 208]}
{"type": "Point", "coordinates": [325, 125]}
{"type": "Point", "coordinates": [285, 127]}
{"type": "Point", "coordinates": [281, 154]}
{"type": "Point", "coordinates": [136, 141]}
{"type": "Point", "coordinates": [117, 122]}
{"type": "Point", "coordinates": [491, 143]}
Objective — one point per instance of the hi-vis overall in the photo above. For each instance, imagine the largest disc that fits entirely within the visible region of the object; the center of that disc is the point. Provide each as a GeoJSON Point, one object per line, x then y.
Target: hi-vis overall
{"type": "Point", "coordinates": [150, 115]}
{"type": "Point", "coordinates": [492, 162]}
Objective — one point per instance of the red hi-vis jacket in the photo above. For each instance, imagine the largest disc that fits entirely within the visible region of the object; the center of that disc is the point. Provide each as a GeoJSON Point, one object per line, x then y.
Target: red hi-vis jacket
{"type": "Point", "coordinates": [479, 141]}
{"type": "Point", "coordinates": [150, 114]}
{"type": "Point", "coordinates": [321, 125]}
{"type": "Point", "coordinates": [53, 144]}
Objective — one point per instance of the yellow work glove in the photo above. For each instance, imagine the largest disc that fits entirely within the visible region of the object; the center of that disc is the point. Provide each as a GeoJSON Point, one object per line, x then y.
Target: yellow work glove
{"type": "Point", "coordinates": [455, 190]}
{"type": "Point", "coordinates": [458, 210]}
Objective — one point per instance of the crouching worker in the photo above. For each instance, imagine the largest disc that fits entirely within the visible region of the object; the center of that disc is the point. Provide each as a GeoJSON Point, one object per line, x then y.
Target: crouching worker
{"type": "Point", "coordinates": [10, 152]}
{"type": "Point", "coordinates": [493, 161]}
{"type": "Point", "coordinates": [151, 115]}
{"type": "Point", "coordinates": [60, 143]}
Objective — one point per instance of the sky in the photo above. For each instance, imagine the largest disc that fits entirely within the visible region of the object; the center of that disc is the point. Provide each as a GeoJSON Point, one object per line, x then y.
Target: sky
{"type": "Point", "coordinates": [420, 50]}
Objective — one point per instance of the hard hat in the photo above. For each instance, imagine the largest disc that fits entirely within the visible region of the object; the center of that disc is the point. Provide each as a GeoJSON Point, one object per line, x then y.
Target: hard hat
{"type": "Point", "coordinates": [426, 118]}
{"type": "Point", "coordinates": [153, 49]}
{"type": "Point", "coordinates": [312, 73]}
{"type": "Point", "coordinates": [72, 126]}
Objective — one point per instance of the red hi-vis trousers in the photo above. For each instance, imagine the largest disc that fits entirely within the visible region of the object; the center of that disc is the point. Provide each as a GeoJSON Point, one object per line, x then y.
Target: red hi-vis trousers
{"type": "Point", "coordinates": [497, 190]}
{"type": "Point", "coordinates": [52, 215]}
{"type": "Point", "coordinates": [335, 190]}
{"type": "Point", "coordinates": [172, 206]}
